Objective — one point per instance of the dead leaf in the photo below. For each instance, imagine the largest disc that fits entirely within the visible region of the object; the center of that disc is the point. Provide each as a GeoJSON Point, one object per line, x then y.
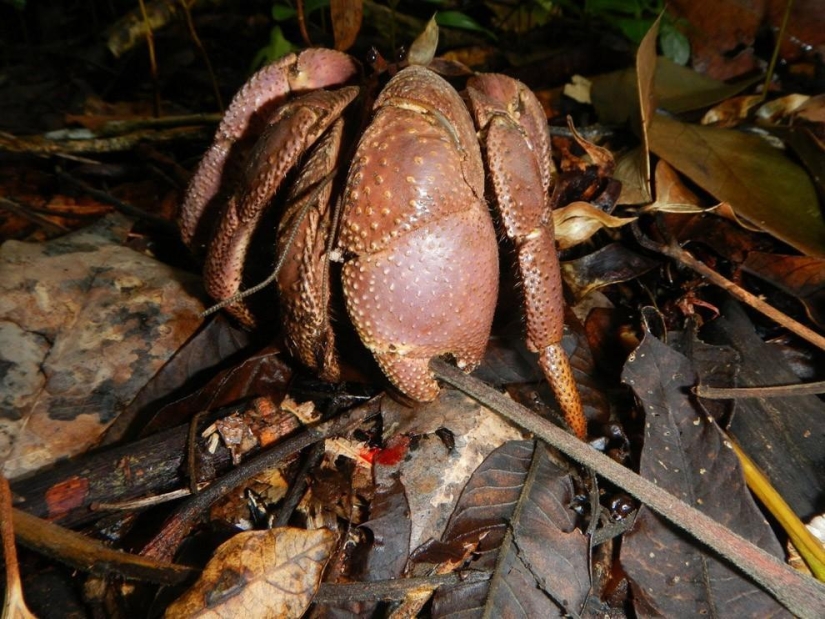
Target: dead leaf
{"type": "Point", "coordinates": [422, 51]}
{"type": "Point", "coordinates": [577, 222]}
{"type": "Point", "coordinates": [259, 574]}
{"type": "Point", "coordinates": [731, 112]}
{"type": "Point", "coordinates": [611, 264]}
{"type": "Point", "coordinates": [800, 276]}
{"type": "Point", "coordinates": [685, 453]}
{"type": "Point", "coordinates": [645, 72]}
{"type": "Point", "coordinates": [520, 485]}
{"type": "Point", "coordinates": [762, 184]}
{"type": "Point", "coordinates": [432, 474]}
{"type": "Point", "coordinates": [346, 18]}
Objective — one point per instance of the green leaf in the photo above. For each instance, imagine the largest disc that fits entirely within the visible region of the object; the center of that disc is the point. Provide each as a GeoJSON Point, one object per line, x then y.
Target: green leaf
{"type": "Point", "coordinates": [283, 12]}
{"type": "Point", "coordinates": [635, 28]}
{"type": "Point", "coordinates": [279, 46]}
{"type": "Point", "coordinates": [457, 19]}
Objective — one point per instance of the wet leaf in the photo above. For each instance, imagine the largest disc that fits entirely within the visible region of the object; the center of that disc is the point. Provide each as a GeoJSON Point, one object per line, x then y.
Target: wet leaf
{"type": "Point", "coordinates": [761, 184]}
{"type": "Point", "coordinates": [785, 436]}
{"type": "Point", "coordinates": [271, 573]}
{"type": "Point", "coordinates": [685, 453]}
{"type": "Point", "coordinates": [346, 18]}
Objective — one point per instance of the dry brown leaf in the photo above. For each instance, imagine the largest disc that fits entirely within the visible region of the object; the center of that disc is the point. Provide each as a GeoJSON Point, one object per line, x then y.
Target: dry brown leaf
{"type": "Point", "coordinates": [346, 21]}
{"type": "Point", "coordinates": [578, 221]}
{"type": "Point", "coordinates": [730, 112]}
{"type": "Point", "coordinates": [259, 574]}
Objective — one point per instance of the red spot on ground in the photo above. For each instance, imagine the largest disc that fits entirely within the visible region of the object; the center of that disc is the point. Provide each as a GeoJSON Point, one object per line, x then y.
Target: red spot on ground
{"type": "Point", "coordinates": [394, 452]}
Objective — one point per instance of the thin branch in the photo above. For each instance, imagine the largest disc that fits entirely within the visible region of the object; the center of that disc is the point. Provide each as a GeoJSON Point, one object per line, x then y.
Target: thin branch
{"type": "Point", "coordinates": [802, 595]}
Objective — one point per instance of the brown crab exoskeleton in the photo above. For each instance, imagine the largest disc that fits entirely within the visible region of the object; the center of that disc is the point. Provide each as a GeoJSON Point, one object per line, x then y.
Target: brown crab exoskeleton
{"type": "Point", "coordinates": [420, 272]}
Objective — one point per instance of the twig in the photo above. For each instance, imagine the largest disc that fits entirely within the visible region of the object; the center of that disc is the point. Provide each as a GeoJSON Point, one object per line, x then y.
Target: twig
{"type": "Point", "coordinates": [800, 594]}
{"type": "Point", "coordinates": [673, 250]}
{"type": "Point", "coordinates": [178, 525]}
{"type": "Point", "coordinates": [390, 590]}
{"type": "Point", "coordinates": [89, 555]}
{"type": "Point", "coordinates": [190, 25]}
{"type": "Point", "coordinates": [14, 606]}
{"type": "Point", "coordinates": [120, 206]}
{"type": "Point", "coordinates": [779, 391]}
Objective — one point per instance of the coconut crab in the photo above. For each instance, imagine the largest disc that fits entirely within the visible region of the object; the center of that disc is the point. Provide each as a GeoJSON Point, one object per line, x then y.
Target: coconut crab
{"type": "Point", "coordinates": [414, 232]}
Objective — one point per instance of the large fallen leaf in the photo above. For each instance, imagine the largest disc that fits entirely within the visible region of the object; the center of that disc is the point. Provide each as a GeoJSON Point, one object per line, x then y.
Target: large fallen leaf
{"type": "Point", "coordinates": [515, 515]}
{"type": "Point", "coordinates": [259, 574]}
{"type": "Point", "coordinates": [784, 436]}
{"type": "Point", "coordinates": [685, 453]}
{"type": "Point", "coordinates": [760, 183]}
{"type": "Point", "coordinates": [84, 324]}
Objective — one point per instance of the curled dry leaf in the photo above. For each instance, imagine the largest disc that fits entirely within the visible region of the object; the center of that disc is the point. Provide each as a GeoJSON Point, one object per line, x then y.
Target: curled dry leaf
{"type": "Point", "coordinates": [577, 222]}
{"type": "Point", "coordinates": [271, 573]}
{"type": "Point", "coordinates": [422, 50]}
{"type": "Point", "coordinates": [611, 264]}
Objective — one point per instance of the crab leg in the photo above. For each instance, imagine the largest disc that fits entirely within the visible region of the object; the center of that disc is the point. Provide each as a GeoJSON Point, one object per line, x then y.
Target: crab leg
{"type": "Point", "coordinates": [303, 280]}
{"type": "Point", "coordinates": [312, 69]}
{"type": "Point", "coordinates": [516, 143]}
{"type": "Point", "coordinates": [296, 126]}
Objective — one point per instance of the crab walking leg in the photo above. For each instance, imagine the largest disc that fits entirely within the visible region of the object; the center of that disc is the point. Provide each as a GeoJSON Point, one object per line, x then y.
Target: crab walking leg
{"type": "Point", "coordinates": [292, 132]}
{"type": "Point", "coordinates": [312, 69]}
{"type": "Point", "coordinates": [517, 148]}
{"type": "Point", "coordinates": [303, 280]}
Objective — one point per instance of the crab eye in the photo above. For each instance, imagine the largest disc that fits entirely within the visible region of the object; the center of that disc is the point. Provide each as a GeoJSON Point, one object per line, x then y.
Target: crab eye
{"type": "Point", "coordinates": [401, 54]}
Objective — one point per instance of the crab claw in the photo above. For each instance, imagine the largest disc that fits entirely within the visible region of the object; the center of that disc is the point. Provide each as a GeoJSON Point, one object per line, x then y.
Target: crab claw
{"type": "Point", "coordinates": [269, 87]}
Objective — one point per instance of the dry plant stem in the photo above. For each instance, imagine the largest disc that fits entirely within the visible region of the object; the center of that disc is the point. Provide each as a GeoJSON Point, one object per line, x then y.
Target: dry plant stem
{"type": "Point", "coordinates": [71, 148]}
{"type": "Point", "coordinates": [89, 555]}
{"type": "Point", "coordinates": [122, 207]}
{"type": "Point", "coordinates": [801, 595]}
{"type": "Point", "coordinates": [22, 211]}
{"type": "Point", "coordinates": [779, 391]}
{"type": "Point", "coordinates": [390, 590]}
{"type": "Point", "coordinates": [164, 544]}
{"type": "Point", "coordinates": [810, 548]}
{"type": "Point", "coordinates": [779, 38]}
{"type": "Point", "coordinates": [673, 250]}
{"type": "Point", "coordinates": [14, 607]}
